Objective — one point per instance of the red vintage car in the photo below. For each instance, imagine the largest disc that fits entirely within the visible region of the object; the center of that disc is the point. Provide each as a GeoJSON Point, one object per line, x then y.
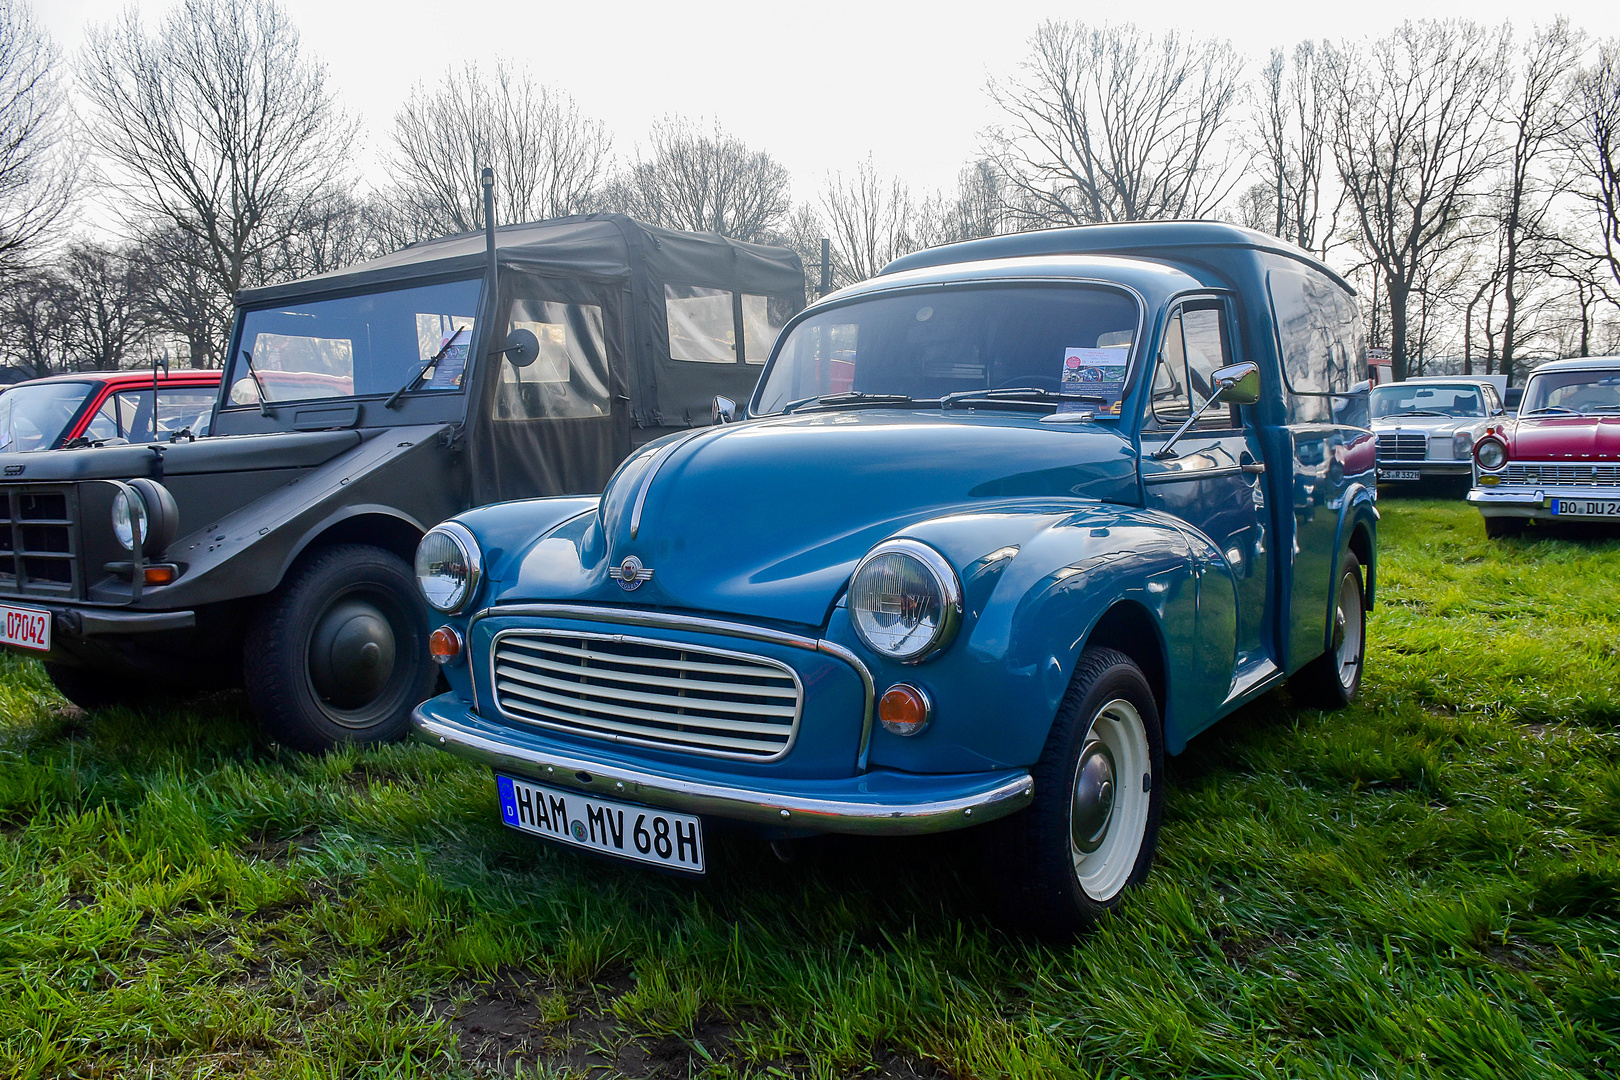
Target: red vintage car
{"type": "Point", "coordinates": [1559, 460]}
{"type": "Point", "coordinates": [102, 407]}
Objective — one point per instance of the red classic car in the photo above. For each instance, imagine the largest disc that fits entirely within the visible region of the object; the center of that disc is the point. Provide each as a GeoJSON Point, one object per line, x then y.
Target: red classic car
{"type": "Point", "coordinates": [1559, 460]}
{"type": "Point", "coordinates": [101, 407]}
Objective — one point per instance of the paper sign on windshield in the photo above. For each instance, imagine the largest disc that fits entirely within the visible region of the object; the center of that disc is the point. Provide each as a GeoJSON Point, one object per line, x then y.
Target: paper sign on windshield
{"type": "Point", "coordinates": [1097, 373]}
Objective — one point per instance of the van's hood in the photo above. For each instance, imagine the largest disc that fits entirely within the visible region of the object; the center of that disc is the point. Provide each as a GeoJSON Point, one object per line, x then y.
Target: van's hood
{"type": "Point", "coordinates": [767, 519]}
{"type": "Point", "coordinates": [1566, 438]}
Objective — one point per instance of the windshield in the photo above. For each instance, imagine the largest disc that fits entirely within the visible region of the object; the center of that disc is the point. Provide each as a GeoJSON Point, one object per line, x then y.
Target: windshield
{"type": "Point", "coordinates": [927, 344]}
{"type": "Point", "coordinates": [1591, 392]}
{"type": "Point", "coordinates": [34, 417]}
{"type": "Point", "coordinates": [355, 346]}
{"type": "Point", "coordinates": [1407, 399]}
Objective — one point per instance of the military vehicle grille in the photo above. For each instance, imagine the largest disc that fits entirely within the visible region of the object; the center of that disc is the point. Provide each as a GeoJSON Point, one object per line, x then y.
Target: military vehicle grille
{"type": "Point", "coordinates": [648, 693]}
{"type": "Point", "coordinates": [1403, 447]}
{"type": "Point", "coordinates": [1525, 473]}
{"type": "Point", "coordinates": [38, 549]}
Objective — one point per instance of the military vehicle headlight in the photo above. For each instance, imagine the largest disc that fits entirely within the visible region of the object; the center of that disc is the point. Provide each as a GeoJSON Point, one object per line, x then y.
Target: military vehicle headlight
{"type": "Point", "coordinates": [447, 566]}
{"type": "Point", "coordinates": [1491, 454]}
{"type": "Point", "coordinates": [905, 601]}
{"type": "Point", "coordinates": [128, 517]}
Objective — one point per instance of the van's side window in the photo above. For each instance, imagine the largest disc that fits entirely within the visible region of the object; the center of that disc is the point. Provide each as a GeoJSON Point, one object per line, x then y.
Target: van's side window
{"type": "Point", "coordinates": [1194, 346]}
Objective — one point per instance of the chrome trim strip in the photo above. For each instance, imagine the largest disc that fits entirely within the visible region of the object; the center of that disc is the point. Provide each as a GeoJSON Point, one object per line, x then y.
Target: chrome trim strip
{"type": "Point", "coordinates": [672, 744]}
{"type": "Point", "coordinates": [736, 803]}
{"type": "Point", "coordinates": [651, 472]}
{"type": "Point", "coordinates": [1185, 475]}
{"type": "Point", "coordinates": [660, 621]}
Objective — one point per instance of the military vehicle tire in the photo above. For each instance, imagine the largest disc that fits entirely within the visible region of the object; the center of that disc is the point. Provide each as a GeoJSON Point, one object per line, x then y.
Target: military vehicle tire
{"type": "Point", "coordinates": [92, 690]}
{"type": "Point", "coordinates": [1332, 680]}
{"type": "Point", "coordinates": [339, 653]}
{"type": "Point", "coordinates": [1089, 836]}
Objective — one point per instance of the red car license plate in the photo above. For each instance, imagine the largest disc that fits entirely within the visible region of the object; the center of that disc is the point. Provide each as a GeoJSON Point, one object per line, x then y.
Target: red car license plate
{"type": "Point", "coordinates": [1586, 507]}
{"type": "Point", "coordinates": [26, 628]}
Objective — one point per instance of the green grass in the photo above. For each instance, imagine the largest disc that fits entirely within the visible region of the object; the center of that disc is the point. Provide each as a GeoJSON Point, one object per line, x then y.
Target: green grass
{"type": "Point", "coordinates": [1425, 885]}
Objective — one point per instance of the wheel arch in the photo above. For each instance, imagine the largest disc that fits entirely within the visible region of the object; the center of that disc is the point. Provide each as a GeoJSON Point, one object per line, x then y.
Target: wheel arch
{"type": "Point", "coordinates": [1130, 628]}
{"type": "Point", "coordinates": [374, 524]}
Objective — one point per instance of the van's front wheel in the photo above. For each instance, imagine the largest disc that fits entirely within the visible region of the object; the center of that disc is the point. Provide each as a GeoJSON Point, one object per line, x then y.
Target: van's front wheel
{"type": "Point", "coordinates": [338, 654]}
{"type": "Point", "coordinates": [1092, 829]}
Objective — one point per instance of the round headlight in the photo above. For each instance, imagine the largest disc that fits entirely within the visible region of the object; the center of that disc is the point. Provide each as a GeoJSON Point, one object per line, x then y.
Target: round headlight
{"type": "Point", "coordinates": [1491, 454]}
{"type": "Point", "coordinates": [905, 601]}
{"type": "Point", "coordinates": [1461, 443]}
{"type": "Point", "coordinates": [128, 517]}
{"type": "Point", "coordinates": [447, 566]}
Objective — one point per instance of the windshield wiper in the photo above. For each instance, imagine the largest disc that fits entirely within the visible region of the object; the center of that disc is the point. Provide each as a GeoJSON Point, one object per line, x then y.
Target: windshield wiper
{"type": "Point", "coordinates": [1421, 412]}
{"type": "Point", "coordinates": [1020, 393]}
{"type": "Point", "coordinates": [427, 365]}
{"type": "Point", "coordinates": [264, 404]}
{"type": "Point", "coordinates": [1552, 408]}
{"type": "Point", "coordinates": [852, 398]}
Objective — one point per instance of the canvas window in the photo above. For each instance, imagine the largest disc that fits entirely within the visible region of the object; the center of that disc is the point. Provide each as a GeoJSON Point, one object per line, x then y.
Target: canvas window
{"type": "Point", "coordinates": [763, 319]}
{"type": "Point", "coordinates": [569, 377]}
{"type": "Point", "coordinates": [702, 326]}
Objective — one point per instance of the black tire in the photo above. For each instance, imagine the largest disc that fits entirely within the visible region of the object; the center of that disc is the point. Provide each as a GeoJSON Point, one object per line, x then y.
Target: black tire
{"type": "Point", "coordinates": [338, 654]}
{"type": "Point", "coordinates": [1496, 528]}
{"type": "Point", "coordinates": [1037, 868]}
{"type": "Point", "coordinates": [93, 690]}
{"type": "Point", "coordinates": [1332, 680]}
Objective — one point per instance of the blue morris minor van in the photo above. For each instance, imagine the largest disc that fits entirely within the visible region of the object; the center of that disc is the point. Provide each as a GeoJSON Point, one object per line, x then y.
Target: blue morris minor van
{"type": "Point", "coordinates": [998, 529]}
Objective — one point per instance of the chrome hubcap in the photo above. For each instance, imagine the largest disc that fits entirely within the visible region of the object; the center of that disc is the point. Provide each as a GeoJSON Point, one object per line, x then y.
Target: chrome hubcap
{"type": "Point", "coordinates": [1093, 797]}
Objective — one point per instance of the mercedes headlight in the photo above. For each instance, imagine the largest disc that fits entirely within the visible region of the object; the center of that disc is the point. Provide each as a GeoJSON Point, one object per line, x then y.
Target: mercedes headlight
{"type": "Point", "coordinates": [905, 601]}
{"type": "Point", "coordinates": [146, 510]}
{"type": "Point", "coordinates": [1462, 444]}
{"type": "Point", "coordinates": [128, 517]}
{"type": "Point", "coordinates": [447, 566]}
{"type": "Point", "coordinates": [1491, 454]}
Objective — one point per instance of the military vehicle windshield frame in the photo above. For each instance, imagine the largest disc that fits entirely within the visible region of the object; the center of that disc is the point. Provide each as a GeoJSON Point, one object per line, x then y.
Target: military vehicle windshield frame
{"type": "Point", "coordinates": [357, 344]}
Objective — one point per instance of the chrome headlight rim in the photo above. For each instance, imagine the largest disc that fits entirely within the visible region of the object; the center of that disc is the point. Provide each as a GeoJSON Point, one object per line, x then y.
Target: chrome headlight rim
{"type": "Point", "coordinates": [945, 580]}
{"type": "Point", "coordinates": [467, 544]}
{"type": "Point", "coordinates": [1491, 442]}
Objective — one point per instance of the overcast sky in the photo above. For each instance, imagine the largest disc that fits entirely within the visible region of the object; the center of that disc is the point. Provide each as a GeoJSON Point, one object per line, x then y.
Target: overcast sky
{"type": "Point", "coordinates": [818, 85]}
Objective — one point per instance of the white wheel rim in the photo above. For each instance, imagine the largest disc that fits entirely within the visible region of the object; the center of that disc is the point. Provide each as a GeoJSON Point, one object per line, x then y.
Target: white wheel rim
{"type": "Point", "coordinates": [1106, 832]}
{"type": "Point", "coordinates": [1349, 630]}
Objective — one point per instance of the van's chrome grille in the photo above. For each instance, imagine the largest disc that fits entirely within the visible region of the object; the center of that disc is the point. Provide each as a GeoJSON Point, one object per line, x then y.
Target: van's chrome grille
{"type": "Point", "coordinates": [650, 693]}
{"type": "Point", "coordinates": [1395, 447]}
{"type": "Point", "coordinates": [38, 549]}
{"type": "Point", "coordinates": [1528, 472]}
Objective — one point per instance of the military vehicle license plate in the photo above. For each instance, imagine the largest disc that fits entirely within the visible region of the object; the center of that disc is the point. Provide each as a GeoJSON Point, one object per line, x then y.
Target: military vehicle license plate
{"type": "Point", "coordinates": [641, 833]}
{"type": "Point", "coordinates": [1586, 507]}
{"type": "Point", "coordinates": [1399, 474]}
{"type": "Point", "coordinates": [26, 628]}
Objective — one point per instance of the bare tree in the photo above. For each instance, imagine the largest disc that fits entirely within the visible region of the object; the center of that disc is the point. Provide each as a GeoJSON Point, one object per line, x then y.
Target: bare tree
{"type": "Point", "coordinates": [1413, 139]}
{"type": "Point", "coordinates": [549, 159]}
{"type": "Point", "coordinates": [705, 183]}
{"type": "Point", "coordinates": [36, 173]}
{"type": "Point", "coordinates": [36, 316]}
{"type": "Point", "coordinates": [1292, 124]}
{"type": "Point", "coordinates": [178, 296]}
{"type": "Point", "coordinates": [1112, 124]}
{"type": "Point", "coordinates": [872, 222]}
{"type": "Point", "coordinates": [217, 126]}
{"type": "Point", "coordinates": [1595, 144]}
{"type": "Point", "coordinates": [106, 312]}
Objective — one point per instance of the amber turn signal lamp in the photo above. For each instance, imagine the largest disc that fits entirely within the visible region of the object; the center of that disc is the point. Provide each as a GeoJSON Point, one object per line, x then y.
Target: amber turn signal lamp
{"type": "Point", "coordinates": [159, 575]}
{"type": "Point", "coordinates": [444, 645]}
{"type": "Point", "coordinates": [904, 709]}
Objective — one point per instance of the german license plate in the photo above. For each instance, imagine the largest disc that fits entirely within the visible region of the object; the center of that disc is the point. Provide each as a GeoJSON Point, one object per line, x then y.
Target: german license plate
{"type": "Point", "coordinates": [25, 628]}
{"type": "Point", "coordinates": [613, 828]}
{"type": "Point", "coordinates": [1399, 474]}
{"type": "Point", "coordinates": [1586, 507]}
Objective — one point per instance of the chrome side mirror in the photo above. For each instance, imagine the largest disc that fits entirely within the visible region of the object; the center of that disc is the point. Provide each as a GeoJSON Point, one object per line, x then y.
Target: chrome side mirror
{"type": "Point", "coordinates": [1235, 384]}
{"type": "Point", "coordinates": [724, 410]}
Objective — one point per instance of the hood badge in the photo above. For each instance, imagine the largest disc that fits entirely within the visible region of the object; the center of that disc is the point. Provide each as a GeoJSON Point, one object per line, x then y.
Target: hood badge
{"type": "Point", "coordinates": [630, 573]}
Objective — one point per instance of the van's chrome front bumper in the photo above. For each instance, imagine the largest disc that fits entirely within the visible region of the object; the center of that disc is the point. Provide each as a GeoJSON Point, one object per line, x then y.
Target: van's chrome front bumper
{"type": "Point", "coordinates": [881, 801]}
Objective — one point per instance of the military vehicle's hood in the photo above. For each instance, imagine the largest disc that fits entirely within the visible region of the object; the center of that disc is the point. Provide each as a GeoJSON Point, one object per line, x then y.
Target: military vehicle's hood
{"type": "Point", "coordinates": [767, 519]}
{"type": "Point", "coordinates": [1566, 438]}
{"type": "Point", "coordinates": [212, 453]}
